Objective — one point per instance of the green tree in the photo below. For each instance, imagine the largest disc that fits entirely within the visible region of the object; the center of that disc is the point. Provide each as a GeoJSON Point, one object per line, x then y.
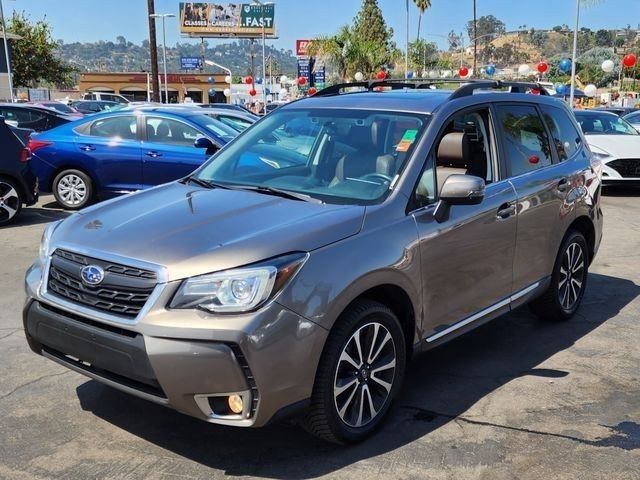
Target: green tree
{"type": "Point", "coordinates": [422, 5]}
{"type": "Point", "coordinates": [423, 54]}
{"type": "Point", "coordinates": [369, 25]}
{"type": "Point", "coordinates": [605, 38]}
{"type": "Point", "coordinates": [34, 56]}
{"type": "Point", "coordinates": [487, 25]}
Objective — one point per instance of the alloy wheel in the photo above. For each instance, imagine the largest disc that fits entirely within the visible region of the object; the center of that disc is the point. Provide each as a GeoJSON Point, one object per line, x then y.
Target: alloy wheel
{"type": "Point", "coordinates": [72, 189]}
{"type": "Point", "coordinates": [572, 273]}
{"type": "Point", "coordinates": [9, 202]}
{"type": "Point", "coordinates": [364, 375]}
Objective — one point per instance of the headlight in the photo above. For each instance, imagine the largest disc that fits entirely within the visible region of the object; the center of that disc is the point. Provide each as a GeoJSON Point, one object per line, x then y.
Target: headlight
{"type": "Point", "coordinates": [238, 290]}
{"type": "Point", "coordinates": [46, 238]}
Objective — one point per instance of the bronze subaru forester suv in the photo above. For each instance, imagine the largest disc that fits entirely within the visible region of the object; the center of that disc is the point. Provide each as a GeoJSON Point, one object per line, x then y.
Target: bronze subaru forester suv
{"type": "Point", "coordinates": [301, 267]}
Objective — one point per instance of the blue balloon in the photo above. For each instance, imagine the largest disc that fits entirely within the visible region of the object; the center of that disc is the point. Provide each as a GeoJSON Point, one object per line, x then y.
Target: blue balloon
{"type": "Point", "coordinates": [565, 65]}
{"type": "Point", "coordinates": [490, 70]}
{"type": "Point", "coordinates": [212, 92]}
{"type": "Point", "coordinates": [561, 88]}
{"type": "Point", "coordinates": [267, 91]}
{"type": "Point", "coordinates": [259, 80]}
{"type": "Point", "coordinates": [409, 74]}
{"type": "Point", "coordinates": [211, 80]}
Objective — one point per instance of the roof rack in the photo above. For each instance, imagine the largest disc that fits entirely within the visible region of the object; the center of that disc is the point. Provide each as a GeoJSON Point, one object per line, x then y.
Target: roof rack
{"type": "Point", "coordinates": [467, 87]}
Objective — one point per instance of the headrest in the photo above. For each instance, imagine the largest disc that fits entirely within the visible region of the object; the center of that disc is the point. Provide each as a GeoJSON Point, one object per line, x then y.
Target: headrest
{"type": "Point", "coordinates": [386, 165]}
{"type": "Point", "coordinates": [453, 150]}
{"type": "Point", "coordinates": [360, 137]}
{"type": "Point", "coordinates": [162, 130]}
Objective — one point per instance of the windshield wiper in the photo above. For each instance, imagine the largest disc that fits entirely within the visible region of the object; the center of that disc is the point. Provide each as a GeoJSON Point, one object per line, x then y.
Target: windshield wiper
{"type": "Point", "coordinates": [206, 183]}
{"type": "Point", "coordinates": [278, 192]}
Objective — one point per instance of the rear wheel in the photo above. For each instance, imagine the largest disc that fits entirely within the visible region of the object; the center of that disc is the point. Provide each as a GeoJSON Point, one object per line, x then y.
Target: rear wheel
{"type": "Point", "coordinates": [360, 373]}
{"type": "Point", "coordinates": [72, 189]}
{"type": "Point", "coordinates": [10, 201]}
{"type": "Point", "coordinates": [568, 281]}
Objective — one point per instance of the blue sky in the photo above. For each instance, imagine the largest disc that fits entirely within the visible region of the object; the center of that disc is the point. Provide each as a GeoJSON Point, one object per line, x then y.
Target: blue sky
{"type": "Point", "coordinates": [90, 20]}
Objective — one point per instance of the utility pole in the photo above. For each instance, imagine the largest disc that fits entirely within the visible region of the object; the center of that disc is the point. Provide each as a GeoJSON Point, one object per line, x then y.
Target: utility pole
{"type": "Point", "coordinates": [475, 38]}
{"type": "Point", "coordinates": [153, 51]}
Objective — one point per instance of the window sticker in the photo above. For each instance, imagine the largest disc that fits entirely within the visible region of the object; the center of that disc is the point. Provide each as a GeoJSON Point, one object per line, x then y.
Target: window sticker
{"type": "Point", "coordinates": [407, 140]}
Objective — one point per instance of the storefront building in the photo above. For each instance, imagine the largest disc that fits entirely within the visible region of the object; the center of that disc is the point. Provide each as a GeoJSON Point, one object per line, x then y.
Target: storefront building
{"type": "Point", "coordinates": [134, 86]}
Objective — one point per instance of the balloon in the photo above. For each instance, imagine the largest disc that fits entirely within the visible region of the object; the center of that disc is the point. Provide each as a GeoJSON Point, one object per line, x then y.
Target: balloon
{"type": "Point", "coordinates": [268, 92]}
{"type": "Point", "coordinates": [432, 74]}
{"type": "Point", "coordinates": [608, 66]}
{"type": "Point", "coordinates": [253, 92]}
{"type": "Point", "coordinates": [381, 75]}
{"type": "Point", "coordinates": [227, 92]}
{"type": "Point", "coordinates": [542, 67]}
{"type": "Point", "coordinates": [259, 80]}
{"type": "Point", "coordinates": [590, 90]}
{"type": "Point", "coordinates": [524, 70]}
{"type": "Point", "coordinates": [228, 79]}
{"type": "Point", "coordinates": [561, 88]}
{"type": "Point", "coordinates": [212, 92]}
{"type": "Point", "coordinates": [409, 74]}
{"type": "Point", "coordinates": [283, 79]}
{"type": "Point", "coordinates": [490, 70]}
{"type": "Point", "coordinates": [358, 76]}
{"type": "Point", "coordinates": [313, 91]}
{"type": "Point", "coordinates": [248, 80]}
{"type": "Point", "coordinates": [629, 60]}
{"type": "Point", "coordinates": [302, 81]}
{"type": "Point", "coordinates": [565, 65]}
{"type": "Point", "coordinates": [463, 72]}
{"type": "Point", "coordinates": [211, 80]}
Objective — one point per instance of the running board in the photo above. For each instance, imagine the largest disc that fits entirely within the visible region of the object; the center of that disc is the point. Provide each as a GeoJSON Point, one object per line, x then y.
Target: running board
{"type": "Point", "coordinates": [483, 313]}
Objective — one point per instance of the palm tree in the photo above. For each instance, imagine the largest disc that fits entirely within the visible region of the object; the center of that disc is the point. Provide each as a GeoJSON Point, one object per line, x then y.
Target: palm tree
{"type": "Point", "coordinates": [422, 5]}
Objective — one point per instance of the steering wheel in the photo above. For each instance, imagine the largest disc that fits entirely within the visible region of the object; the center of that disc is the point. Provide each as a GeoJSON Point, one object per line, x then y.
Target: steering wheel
{"type": "Point", "coordinates": [377, 176]}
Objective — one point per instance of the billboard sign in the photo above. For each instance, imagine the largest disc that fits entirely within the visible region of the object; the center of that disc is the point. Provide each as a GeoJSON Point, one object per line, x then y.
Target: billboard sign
{"type": "Point", "coordinates": [190, 63]}
{"type": "Point", "coordinates": [319, 77]}
{"type": "Point", "coordinates": [305, 67]}
{"type": "Point", "coordinates": [206, 19]}
{"type": "Point", "coordinates": [302, 47]}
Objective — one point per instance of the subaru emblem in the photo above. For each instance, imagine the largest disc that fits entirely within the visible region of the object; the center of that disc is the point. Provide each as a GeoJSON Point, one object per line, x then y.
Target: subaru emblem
{"type": "Point", "coordinates": [92, 274]}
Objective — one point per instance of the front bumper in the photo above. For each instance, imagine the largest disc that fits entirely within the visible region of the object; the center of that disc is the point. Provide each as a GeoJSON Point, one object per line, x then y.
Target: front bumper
{"type": "Point", "coordinates": [185, 359]}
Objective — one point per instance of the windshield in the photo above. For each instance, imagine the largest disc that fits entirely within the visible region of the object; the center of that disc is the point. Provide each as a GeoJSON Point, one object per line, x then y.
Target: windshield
{"type": "Point", "coordinates": [60, 107]}
{"type": "Point", "coordinates": [219, 129]}
{"type": "Point", "coordinates": [337, 156]}
{"type": "Point", "coordinates": [604, 124]}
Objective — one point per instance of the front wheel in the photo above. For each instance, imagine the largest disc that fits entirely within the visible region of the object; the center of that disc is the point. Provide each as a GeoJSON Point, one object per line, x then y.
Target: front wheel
{"type": "Point", "coordinates": [360, 372]}
{"type": "Point", "coordinates": [72, 189]}
{"type": "Point", "coordinates": [568, 281]}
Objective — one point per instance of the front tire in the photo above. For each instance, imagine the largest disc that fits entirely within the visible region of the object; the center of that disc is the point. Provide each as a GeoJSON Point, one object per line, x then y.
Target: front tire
{"type": "Point", "coordinates": [72, 189]}
{"type": "Point", "coordinates": [10, 201]}
{"type": "Point", "coordinates": [360, 373]}
{"type": "Point", "coordinates": [568, 281]}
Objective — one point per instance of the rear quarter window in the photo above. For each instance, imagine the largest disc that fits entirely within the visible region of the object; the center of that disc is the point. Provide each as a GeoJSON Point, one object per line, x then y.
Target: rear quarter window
{"type": "Point", "coordinates": [564, 134]}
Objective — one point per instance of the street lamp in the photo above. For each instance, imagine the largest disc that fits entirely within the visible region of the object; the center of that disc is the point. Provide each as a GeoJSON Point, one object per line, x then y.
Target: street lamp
{"type": "Point", "coordinates": [264, 56]}
{"type": "Point", "coordinates": [214, 64]}
{"type": "Point", "coordinates": [164, 49]}
{"type": "Point", "coordinates": [6, 51]}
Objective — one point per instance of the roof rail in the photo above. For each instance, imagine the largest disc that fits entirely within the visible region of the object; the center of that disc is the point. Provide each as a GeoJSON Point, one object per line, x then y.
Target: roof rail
{"type": "Point", "coordinates": [467, 87]}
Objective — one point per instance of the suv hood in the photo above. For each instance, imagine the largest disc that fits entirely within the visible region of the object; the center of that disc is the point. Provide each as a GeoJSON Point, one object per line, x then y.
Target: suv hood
{"type": "Point", "coordinates": [191, 230]}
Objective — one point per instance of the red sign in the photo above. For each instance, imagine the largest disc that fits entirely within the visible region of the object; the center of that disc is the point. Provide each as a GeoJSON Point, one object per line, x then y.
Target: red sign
{"type": "Point", "coordinates": [302, 46]}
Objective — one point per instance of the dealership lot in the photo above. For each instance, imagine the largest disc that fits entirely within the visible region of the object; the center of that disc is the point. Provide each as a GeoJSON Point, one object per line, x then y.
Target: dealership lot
{"type": "Point", "coordinates": [517, 398]}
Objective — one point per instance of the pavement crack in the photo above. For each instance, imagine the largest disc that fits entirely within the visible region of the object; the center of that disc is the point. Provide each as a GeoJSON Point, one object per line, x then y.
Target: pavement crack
{"type": "Point", "coordinates": [11, 333]}
{"type": "Point", "coordinates": [36, 380]}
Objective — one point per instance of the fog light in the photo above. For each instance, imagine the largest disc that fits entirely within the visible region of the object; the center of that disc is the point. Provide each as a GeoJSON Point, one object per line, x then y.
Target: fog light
{"type": "Point", "coordinates": [235, 404]}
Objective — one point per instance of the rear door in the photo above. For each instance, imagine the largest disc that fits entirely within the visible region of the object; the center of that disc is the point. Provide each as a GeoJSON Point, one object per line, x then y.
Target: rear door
{"type": "Point", "coordinates": [543, 186]}
{"type": "Point", "coordinates": [168, 152]}
{"type": "Point", "coordinates": [111, 149]}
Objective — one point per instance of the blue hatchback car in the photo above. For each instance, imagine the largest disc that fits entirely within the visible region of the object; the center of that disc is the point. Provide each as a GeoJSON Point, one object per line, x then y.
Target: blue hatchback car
{"type": "Point", "coordinates": [119, 152]}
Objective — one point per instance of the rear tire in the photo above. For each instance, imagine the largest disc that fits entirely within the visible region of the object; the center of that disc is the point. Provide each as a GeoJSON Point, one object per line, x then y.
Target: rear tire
{"type": "Point", "coordinates": [360, 373]}
{"type": "Point", "coordinates": [10, 201]}
{"type": "Point", "coordinates": [73, 189]}
{"type": "Point", "coordinates": [568, 282]}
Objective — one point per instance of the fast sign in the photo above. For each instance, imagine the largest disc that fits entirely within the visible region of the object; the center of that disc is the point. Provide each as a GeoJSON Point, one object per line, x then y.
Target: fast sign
{"type": "Point", "coordinates": [226, 19]}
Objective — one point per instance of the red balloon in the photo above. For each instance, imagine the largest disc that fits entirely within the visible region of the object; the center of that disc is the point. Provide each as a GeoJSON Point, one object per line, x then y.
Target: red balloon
{"type": "Point", "coordinates": [463, 72]}
{"type": "Point", "coordinates": [253, 92]}
{"type": "Point", "coordinates": [381, 75]}
{"type": "Point", "coordinates": [248, 80]}
{"type": "Point", "coordinates": [313, 91]}
{"type": "Point", "coordinates": [543, 67]}
{"type": "Point", "coordinates": [629, 60]}
{"type": "Point", "coordinates": [302, 81]}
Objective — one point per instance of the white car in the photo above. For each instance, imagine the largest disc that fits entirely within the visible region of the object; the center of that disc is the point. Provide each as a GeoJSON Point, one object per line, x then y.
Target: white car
{"type": "Point", "coordinates": [634, 119]}
{"type": "Point", "coordinates": [615, 142]}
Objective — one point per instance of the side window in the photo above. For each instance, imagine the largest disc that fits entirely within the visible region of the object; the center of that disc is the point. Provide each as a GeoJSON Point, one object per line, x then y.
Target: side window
{"type": "Point", "coordinates": [565, 137]}
{"type": "Point", "coordinates": [170, 132]}
{"type": "Point", "coordinates": [122, 127]}
{"type": "Point", "coordinates": [524, 138]}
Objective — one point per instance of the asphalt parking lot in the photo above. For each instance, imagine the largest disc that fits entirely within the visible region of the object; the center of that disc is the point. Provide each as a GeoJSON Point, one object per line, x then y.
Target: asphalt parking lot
{"type": "Point", "coordinates": [515, 399]}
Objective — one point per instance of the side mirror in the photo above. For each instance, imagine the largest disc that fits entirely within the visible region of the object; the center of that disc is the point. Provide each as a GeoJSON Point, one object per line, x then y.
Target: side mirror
{"type": "Point", "coordinates": [459, 190]}
{"type": "Point", "coordinates": [204, 142]}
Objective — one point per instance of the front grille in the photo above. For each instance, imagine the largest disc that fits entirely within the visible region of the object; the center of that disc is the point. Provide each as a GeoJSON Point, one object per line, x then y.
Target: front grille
{"type": "Point", "coordinates": [124, 290]}
{"type": "Point", "coordinates": [626, 167]}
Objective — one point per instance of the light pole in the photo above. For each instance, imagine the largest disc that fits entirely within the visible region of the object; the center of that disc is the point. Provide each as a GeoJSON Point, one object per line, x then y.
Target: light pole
{"type": "Point", "coordinates": [214, 64]}
{"type": "Point", "coordinates": [264, 53]}
{"type": "Point", "coordinates": [574, 55]}
{"type": "Point", "coordinates": [164, 49]}
{"type": "Point", "coordinates": [6, 52]}
{"type": "Point", "coordinates": [406, 53]}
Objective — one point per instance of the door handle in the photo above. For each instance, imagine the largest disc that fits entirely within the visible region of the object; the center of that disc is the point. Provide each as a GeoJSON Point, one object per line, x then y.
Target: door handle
{"type": "Point", "coordinates": [87, 148]}
{"type": "Point", "coordinates": [563, 185]}
{"type": "Point", "coordinates": [153, 154]}
{"type": "Point", "coordinates": [506, 210]}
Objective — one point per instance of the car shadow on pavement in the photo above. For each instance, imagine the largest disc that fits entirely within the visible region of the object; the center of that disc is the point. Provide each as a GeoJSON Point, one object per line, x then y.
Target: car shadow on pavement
{"type": "Point", "coordinates": [440, 386]}
{"type": "Point", "coordinates": [37, 215]}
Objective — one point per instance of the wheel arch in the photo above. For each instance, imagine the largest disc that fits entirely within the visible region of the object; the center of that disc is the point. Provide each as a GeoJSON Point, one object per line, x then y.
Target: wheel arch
{"type": "Point", "coordinates": [584, 225]}
{"type": "Point", "coordinates": [17, 181]}
{"type": "Point", "coordinates": [71, 166]}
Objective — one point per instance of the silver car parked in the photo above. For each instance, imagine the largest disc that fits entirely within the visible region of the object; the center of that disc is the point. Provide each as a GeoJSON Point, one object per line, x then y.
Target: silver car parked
{"type": "Point", "coordinates": [303, 265]}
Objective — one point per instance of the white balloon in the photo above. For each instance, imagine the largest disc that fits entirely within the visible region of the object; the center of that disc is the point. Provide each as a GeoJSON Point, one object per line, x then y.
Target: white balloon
{"type": "Point", "coordinates": [228, 79]}
{"type": "Point", "coordinates": [283, 79]}
{"type": "Point", "coordinates": [433, 74]}
{"type": "Point", "coordinates": [591, 90]}
{"type": "Point", "coordinates": [524, 69]}
{"type": "Point", "coordinates": [608, 66]}
{"type": "Point", "coordinates": [358, 76]}
{"type": "Point", "coordinates": [227, 92]}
